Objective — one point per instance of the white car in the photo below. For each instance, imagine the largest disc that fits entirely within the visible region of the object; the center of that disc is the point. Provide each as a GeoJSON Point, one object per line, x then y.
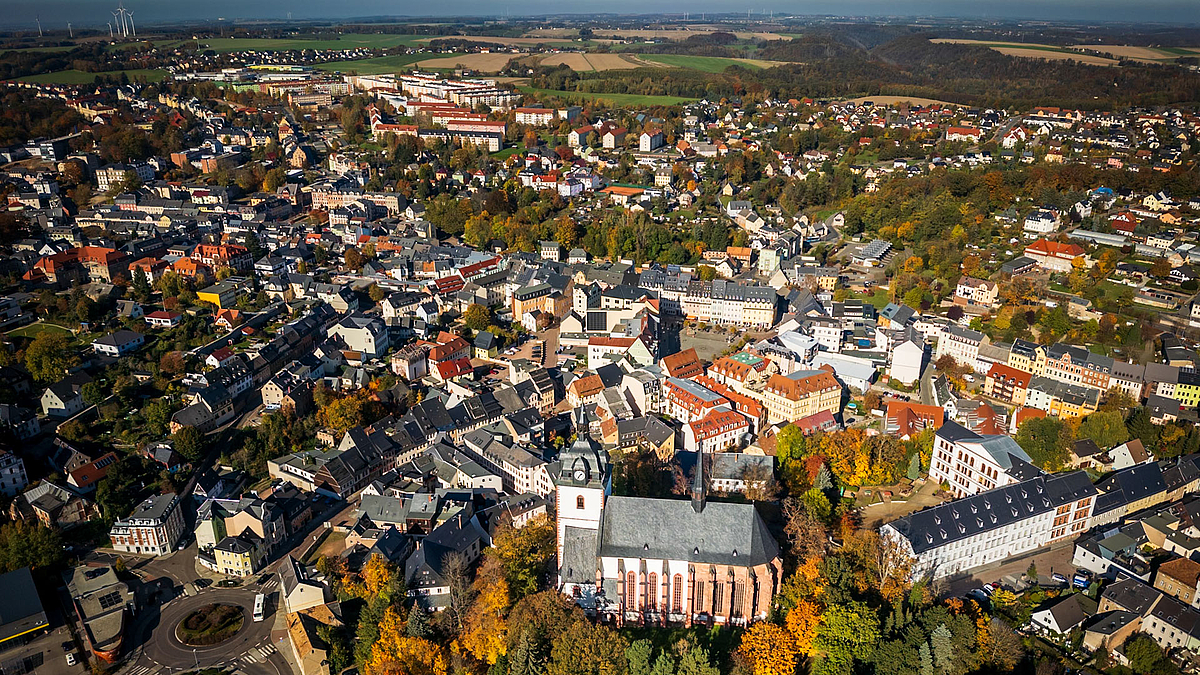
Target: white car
{"type": "Point", "coordinates": [70, 658]}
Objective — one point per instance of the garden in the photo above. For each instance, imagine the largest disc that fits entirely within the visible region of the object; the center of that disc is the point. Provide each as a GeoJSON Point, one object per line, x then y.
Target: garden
{"type": "Point", "coordinates": [210, 625]}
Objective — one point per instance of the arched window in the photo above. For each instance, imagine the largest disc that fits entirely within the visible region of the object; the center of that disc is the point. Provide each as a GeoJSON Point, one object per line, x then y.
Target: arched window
{"type": "Point", "coordinates": [631, 591]}
{"type": "Point", "coordinates": [579, 502]}
{"type": "Point", "coordinates": [735, 602]}
{"type": "Point", "coordinates": [677, 595]}
{"type": "Point", "coordinates": [718, 598]}
{"type": "Point", "coordinates": [652, 592]}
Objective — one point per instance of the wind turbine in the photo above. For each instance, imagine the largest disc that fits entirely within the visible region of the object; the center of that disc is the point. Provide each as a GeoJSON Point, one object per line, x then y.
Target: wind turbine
{"type": "Point", "coordinates": [131, 26]}
{"type": "Point", "coordinates": [110, 33]}
{"type": "Point", "coordinates": [117, 21]}
{"type": "Point", "coordinates": [38, 17]}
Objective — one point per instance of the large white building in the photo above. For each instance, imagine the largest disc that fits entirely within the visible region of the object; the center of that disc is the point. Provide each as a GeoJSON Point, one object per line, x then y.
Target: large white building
{"type": "Point", "coordinates": [991, 526]}
{"type": "Point", "coordinates": [152, 529]}
{"type": "Point", "coordinates": [970, 463]}
{"type": "Point", "coordinates": [960, 344]}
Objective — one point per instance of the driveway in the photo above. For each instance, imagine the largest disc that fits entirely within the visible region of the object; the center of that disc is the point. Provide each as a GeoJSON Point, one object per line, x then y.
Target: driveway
{"type": "Point", "coordinates": [1048, 562]}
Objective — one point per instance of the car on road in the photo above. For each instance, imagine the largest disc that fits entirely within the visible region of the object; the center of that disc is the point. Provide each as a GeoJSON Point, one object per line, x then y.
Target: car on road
{"type": "Point", "coordinates": [229, 583]}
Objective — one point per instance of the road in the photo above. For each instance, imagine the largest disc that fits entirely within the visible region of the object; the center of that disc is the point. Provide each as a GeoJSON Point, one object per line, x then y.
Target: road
{"type": "Point", "coordinates": [254, 649]}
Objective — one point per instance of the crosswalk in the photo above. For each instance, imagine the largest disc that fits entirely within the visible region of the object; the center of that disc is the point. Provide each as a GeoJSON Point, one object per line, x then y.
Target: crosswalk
{"type": "Point", "coordinates": [271, 583]}
{"type": "Point", "coordinates": [142, 669]}
{"type": "Point", "coordinates": [259, 654]}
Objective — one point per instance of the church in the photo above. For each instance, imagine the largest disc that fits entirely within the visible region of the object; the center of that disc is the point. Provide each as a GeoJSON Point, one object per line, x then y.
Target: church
{"type": "Point", "coordinates": [645, 561]}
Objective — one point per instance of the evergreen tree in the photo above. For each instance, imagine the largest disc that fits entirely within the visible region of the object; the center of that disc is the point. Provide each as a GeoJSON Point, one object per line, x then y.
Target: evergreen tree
{"type": "Point", "coordinates": [943, 650]}
{"type": "Point", "coordinates": [695, 661]}
{"type": "Point", "coordinates": [824, 480]}
{"type": "Point", "coordinates": [926, 659]}
{"type": "Point", "coordinates": [663, 665]}
{"type": "Point", "coordinates": [914, 467]}
{"type": "Point", "coordinates": [525, 658]}
{"type": "Point", "coordinates": [141, 287]}
{"type": "Point", "coordinates": [418, 623]}
{"type": "Point", "coordinates": [639, 655]}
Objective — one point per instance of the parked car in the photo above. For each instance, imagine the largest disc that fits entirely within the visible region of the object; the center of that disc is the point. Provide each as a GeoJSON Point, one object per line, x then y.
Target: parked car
{"type": "Point", "coordinates": [1059, 578]}
{"type": "Point", "coordinates": [70, 658]}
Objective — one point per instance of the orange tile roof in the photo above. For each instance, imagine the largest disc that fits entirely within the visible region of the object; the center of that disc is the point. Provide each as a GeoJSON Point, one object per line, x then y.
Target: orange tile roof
{"type": "Point", "coordinates": [684, 364]}
{"type": "Point", "coordinates": [798, 388]}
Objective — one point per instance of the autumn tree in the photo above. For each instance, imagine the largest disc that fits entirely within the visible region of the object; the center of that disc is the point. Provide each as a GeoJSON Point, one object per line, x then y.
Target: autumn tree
{"type": "Point", "coordinates": [485, 630]}
{"type": "Point", "coordinates": [477, 317]}
{"type": "Point", "coordinates": [769, 649]}
{"type": "Point", "coordinates": [587, 649]}
{"type": "Point", "coordinates": [49, 356]}
{"type": "Point", "coordinates": [395, 653]}
{"type": "Point", "coordinates": [524, 553]}
{"type": "Point", "coordinates": [376, 293]}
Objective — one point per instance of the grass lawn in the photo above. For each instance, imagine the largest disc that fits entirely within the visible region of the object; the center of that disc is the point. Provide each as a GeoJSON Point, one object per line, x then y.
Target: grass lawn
{"type": "Point", "coordinates": [33, 329]}
{"type": "Point", "coordinates": [80, 77]}
{"type": "Point", "coordinates": [376, 66]}
{"type": "Point", "coordinates": [345, 41]}
{"type": "Point", "coordinates": [707, 64]}
{"type": "Point", "coordinates": [614, 99]}
{"type": "Point", "coordinates": [878, 299]}
{"type": "Point", "coordinates": [333, 544]}
{"type": "Point", "coordinates": [505, 153]}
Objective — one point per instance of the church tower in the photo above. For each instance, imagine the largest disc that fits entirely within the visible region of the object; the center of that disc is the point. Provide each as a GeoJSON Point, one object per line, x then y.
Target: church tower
{"type": "Point", "coordinates": [583, 483]}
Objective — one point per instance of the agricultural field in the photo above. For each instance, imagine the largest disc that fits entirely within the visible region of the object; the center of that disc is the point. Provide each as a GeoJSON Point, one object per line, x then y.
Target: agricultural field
{"type": "Point", "coordinates": [612, 99]}
{"type": "Point", "coordinates": [1035, 51]}
{"type": "Point", "coordinates": [662, 33]}
{"type": "Point", "coordinates": [894, 100]}
{"type": "Point", "coordinates": [1142, 54]}
{"type": "Point", "coordinates": [345, 41]}
{"type": "Point", "coordinates": [487, 63]}
{"type": "Point", "coordinates": [510, 41]}
{"type": "Point", "coordinates": [581, 63]}
{"type": "Point", "coordinates": [376, 66]}
{"type": "Point", "coordinates": [80, 77]}
{"type": "Point", "coordinates": [707, 64]}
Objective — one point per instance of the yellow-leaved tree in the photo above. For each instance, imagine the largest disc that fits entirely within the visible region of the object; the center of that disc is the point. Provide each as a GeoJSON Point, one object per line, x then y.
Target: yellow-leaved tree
{"type": "Point", "coordinates": [770, 649]}
{"type": "Point", "coordinates": [485, 630]}
{"type": "Point", "coordinates": [395, 653]}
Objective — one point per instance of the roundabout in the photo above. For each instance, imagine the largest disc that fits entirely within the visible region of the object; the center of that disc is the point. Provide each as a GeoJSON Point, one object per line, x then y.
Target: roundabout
{"type": "Point", "coordinates": [162, 637]}
{"type": "Point", "coordinates": [210, 625]}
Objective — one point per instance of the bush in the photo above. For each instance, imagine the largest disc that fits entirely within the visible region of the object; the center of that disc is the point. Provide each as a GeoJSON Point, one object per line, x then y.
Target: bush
{"type": "Point", "coordinates": [210, 625]}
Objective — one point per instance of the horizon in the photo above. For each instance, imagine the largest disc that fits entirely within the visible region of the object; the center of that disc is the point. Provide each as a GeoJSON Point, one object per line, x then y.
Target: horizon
{"type": "Point", "coordinates": [23, 14]}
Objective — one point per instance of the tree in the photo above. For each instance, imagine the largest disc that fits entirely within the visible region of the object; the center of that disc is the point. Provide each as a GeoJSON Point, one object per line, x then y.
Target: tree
{"type": "Point", "coordinates": [190, 443]}
{"type": "Point", "coordinates": [524, 554]}
{"type": "Point", "coordinates": [802, 622]}
{"type": "Point", "coordinates": [418, 623]}
{"type": "Point", "coordinates": [141, 287]}
{"type": "Point", "coordinates": [49, 356]}
{"type": "Point", "coordinates": [1107, 429]}
{"type": "Point", "coordinates": [943, 648]}
{"type": "Point", "coordinates": [640, 656]}
{"type": "Point", "coordinates": [587, 649]}
{"type": "Point", "coordinates": [769, 649]}
{"type": "Point", "coordinates": [395, 653]}
{"type": "Point", "coordinates": [1146, 657]}
{"type": "Point", "coordinates": [354, 259]}
{"type": "Point", "coordinates": [706, 272]}
{"type": "Point", "coordinates": [27, 543]}
{"type": "Point", "coordinates": [695, 661]}
{"type": "Point", "coordinates": [93, 393]}
{"type": "Point", "coordinates": [848, 632]}
{"type": "Point", "coordinates": [1047, 440]}
{"type": "Point", "coordinates": [477, 317]}
{"type": "Point", "coordinates": [376, 293]}
{"type": "Point", "coordinates": [173, 362]}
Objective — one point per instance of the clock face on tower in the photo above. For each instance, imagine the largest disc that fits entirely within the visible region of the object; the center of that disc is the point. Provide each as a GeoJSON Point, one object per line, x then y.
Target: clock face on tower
{"type": "Point", "coordinates": [580, 474]}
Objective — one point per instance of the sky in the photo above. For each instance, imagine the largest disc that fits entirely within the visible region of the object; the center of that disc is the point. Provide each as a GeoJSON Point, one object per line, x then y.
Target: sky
{"type": "Point", "coordinates": [15, 14]}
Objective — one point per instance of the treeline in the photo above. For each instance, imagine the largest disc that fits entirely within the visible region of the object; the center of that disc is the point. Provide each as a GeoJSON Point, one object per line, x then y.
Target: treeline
{"type": "Point", "coordinates": [832, 65]}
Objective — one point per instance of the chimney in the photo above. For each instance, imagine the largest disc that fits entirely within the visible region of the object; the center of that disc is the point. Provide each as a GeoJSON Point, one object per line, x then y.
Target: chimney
{"type": "Point", "coordinates": [698, 484]}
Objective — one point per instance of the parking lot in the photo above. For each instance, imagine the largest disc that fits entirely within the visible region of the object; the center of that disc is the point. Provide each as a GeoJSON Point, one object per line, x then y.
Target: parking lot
{"type": "Point", "coordinates": [43, 655]}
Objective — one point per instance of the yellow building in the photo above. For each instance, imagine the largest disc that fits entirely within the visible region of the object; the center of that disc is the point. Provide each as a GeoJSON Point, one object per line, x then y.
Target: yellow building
{"type": "Point", "coordinates": [222, 294]}
{"type": "Point", "coordinates": [1028, 356]}
{"type": "Point", "coordinates": [788, 398]}
{"type": "Point", "coordinates": [238, 556]}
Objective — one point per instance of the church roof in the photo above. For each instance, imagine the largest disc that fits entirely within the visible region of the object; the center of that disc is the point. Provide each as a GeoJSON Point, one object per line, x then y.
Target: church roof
{"type": "Point", "coordinates": [670, 529]}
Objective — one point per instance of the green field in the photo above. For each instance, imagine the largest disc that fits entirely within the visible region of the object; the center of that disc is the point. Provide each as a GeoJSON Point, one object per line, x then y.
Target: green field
{"type": "Point", "coordinates": [376, 66]}
{"type": "Point", "coordinates": [80, 77]}
{"type": "Point", "coordinates": [707, 64]}
{"type": "Point", "coordinates": [66, 48]}
{"type": "Point", "coordinates": [613, 99]}
{"type": "Point", "coordinates": [33, 329]}
{"type": "Point", "coordinates": [345, 41]}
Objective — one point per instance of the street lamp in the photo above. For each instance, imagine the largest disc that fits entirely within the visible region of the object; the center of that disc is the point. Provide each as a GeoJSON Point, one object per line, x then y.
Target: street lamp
{"type": "Point", "coordinates": [195, 656]}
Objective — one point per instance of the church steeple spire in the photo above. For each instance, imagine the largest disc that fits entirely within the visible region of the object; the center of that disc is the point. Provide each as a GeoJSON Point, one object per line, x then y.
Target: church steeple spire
{"type": "Point", "coordinates": [698, 490]}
